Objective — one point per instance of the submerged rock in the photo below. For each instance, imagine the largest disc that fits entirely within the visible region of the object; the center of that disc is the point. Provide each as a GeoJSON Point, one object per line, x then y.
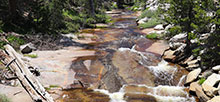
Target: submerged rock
{"type": "Point", "coordinates": [129, 97]}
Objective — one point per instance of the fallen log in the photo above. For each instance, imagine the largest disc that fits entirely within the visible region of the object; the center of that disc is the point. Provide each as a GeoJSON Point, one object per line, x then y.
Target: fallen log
{"type": "Point", "coordinates": [25, 77]}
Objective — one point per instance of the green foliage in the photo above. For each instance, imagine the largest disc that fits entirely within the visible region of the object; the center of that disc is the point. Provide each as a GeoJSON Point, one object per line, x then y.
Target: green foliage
{"type": "Point", "coordinates": [4, 98]}
{"type": "Point", "coordinates": [16, 40]}
{"type": "Point", "coordinates": [190, 15]}
{"type": "Point", "coordinates": [2, 43]}
{"type": "Point", "coordinates": [149, 13]}
{"type": "Point", "coordinates": [152, 36]}
{"type": "Point", "coordinates": [31, 55]}
{"type": "Point", "coordinates": [151, 23]}
{"type": "Point", "coordinates": [173, 31]}
{"type": "Point", "coordinates": [201, 81]}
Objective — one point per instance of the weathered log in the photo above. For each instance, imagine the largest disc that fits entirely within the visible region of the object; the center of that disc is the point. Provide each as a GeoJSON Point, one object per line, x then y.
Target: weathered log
{"type": "Point", "coordinates": [25, 77]}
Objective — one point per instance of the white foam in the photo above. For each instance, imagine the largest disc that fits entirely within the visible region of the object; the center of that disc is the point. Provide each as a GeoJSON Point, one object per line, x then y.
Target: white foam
{"type": "Point", "coordinates": [115, 97]}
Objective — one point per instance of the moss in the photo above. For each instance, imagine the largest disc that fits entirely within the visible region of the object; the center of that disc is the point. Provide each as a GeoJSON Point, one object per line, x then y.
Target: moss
{"type": "Point", "coordinates": [31, 55]}
{"type": "Point", "coordinates": [4, 98]}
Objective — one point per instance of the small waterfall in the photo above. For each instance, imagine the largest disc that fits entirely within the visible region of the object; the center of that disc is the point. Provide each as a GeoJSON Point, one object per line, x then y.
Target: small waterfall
{"type": "Point", "coordinates": [115, 97]}
{"type": "Point", "coordinates": [164, 71]}
{"type": "Point", "coordinates": [161, 93]}
{"type": "Point", "coordinates": [181, 80]}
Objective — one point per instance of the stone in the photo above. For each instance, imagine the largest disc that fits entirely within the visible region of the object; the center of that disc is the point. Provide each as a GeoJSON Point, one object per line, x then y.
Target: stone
{"type": "Point", "coordinates": [176, 45]}
{"type": "Point", "coordinates": [209, 83]}
{"type": "Point", "coordinates": [193, 75]}
{"type": "Point", "coordinates": [193, 86]}
{"type": "Point", "coordinates": [159, 27]}
{"type": "Point", "coordinates": [169, 55]}
{"type": "Point", "coordinates": [168, 27]}
{"type": "Point", "coordinates": [206, 74]}
{"type": "Point", "coordinates": [144, 20]}
{"type": "Point", "coordinates": [130, 97]}
{"type": "Point", "coordinates": [27, 48]}
{"type": "Point", "coordinates": [193, 62]}
{"type": "Point", "coordinates": [200, 94]}
{"type": "Point", "coordinates": [188, 59]}
{"type": "Point", "coordinates": [215, 99]}
{"type": "Point", "coordinates": [216, 68]}
{"type": "Point", "coordinates": [179, 38]}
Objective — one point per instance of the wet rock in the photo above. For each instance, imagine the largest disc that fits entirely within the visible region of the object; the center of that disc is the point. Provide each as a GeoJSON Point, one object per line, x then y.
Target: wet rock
{"type": "Point", "coordinates": [27, 48]}
{"type": "Point", "coordinates": [137, 89]}
{"type": "Point", "coordinates": [130, 62]}
{"type": "Point", "coordinates": [129, 97]}
{"type": "Point", "coordinates": [216, 68]}
{"type": "Point", "coordinates": [209, 83]}
{"type": "Point", "coordinates": [201, 95]}
{"type": "Point", "coordinates": [215, 99]}
{"type": "Point", "coordinates": [83, 95]}
{"type": "Point", "coordinates": [193, 75]}
{"type": "Point", "coordinates": [159, 27]}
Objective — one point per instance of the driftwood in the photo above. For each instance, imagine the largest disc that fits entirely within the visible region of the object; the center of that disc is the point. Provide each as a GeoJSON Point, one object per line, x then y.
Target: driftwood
{"type": "Point", "coordinates": [25, 77]}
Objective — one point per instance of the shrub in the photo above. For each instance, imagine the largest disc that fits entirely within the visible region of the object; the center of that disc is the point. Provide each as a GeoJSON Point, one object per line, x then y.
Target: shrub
{"type": "Point", "coordinates": [201, 81]}
{"type": "Point", "coordinates": [151, 23]}
{"type": "Point", "coordinates": [152, 36]}
{"type": "Point", "coordinates": [174, 31]}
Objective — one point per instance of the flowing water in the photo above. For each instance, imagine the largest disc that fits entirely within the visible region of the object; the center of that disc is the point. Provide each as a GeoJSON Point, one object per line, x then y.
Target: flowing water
{"type": "Point", "coordinates": [122, 70]}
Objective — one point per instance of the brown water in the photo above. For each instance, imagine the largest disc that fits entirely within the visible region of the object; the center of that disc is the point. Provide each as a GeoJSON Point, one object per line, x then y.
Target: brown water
{"type": "Point", "coordinates": [123, 68]}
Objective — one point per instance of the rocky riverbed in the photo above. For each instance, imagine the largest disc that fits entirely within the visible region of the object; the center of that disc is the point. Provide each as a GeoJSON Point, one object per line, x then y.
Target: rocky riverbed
{"type": "Point", "coordinates": [112, 64]}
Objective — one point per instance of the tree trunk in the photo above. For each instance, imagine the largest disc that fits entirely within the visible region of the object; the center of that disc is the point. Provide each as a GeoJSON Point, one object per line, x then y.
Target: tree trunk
{"type": "Point", "coordinates": [120, 4]}
{"type": "Point", "coordinates": [12, 8]}
{"type": "Point", "coordinates": [25, 77]}
{"type": "Point", "coordinates": [92, 7]}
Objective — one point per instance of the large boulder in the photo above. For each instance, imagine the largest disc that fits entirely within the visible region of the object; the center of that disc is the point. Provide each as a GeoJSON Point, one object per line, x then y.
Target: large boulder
{"type": "Point", "coordinates": [193, 75]}
{"type": "Point", "coordinates": [27, 48]}
{"type": "Point", "coordinates": [209, 83]}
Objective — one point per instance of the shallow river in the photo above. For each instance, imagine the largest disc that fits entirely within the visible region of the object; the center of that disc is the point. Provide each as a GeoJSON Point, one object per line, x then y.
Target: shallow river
{"type": "Point", "coordinates": [122, 69]}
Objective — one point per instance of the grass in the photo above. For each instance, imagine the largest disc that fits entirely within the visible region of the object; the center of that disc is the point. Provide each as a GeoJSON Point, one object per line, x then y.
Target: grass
{"type": "Point", "coordinates": [31, 55]}
{"type": "Point", "coordinates": [51, 86]}
{"type": "Point", "coordinates": [4, 98]}
{"type": "Point", "coordinates": [201, 81]}
{"type": "Point", "coordinates": [151, 23]}
{"type": "Point", "coordinates": [152, 36]}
